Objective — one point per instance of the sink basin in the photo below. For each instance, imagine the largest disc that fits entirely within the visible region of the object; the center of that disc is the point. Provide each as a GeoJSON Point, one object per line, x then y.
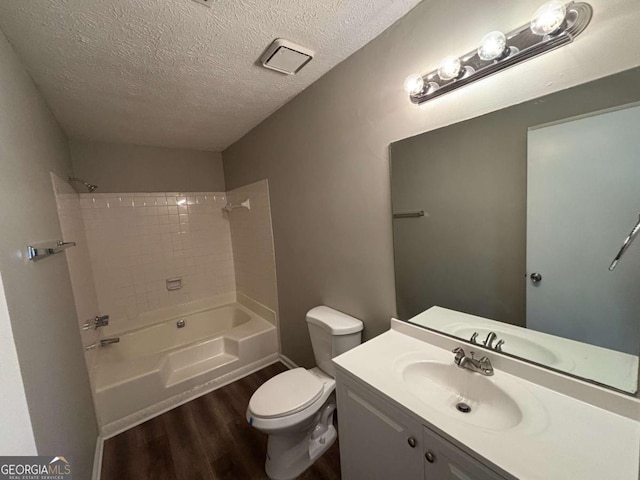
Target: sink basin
{"type": "Point", "coordinates": [513, 344]}
{"type": "Point", "coordinates": [445, 386]}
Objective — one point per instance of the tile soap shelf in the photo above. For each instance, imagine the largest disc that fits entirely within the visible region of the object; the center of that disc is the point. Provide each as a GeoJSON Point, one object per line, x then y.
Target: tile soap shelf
{"type": "Point", "coordinates": [36, 252]}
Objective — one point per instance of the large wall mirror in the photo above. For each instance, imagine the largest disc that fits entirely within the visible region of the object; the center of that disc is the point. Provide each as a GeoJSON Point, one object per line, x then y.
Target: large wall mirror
{"type": "Point", "coordinates": [506, 225]}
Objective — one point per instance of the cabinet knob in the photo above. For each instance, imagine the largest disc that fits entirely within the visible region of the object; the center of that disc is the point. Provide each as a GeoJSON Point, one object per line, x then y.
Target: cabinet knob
{"type": "Point", "coordinates": [430, 457]}
{"type": "Point", "coordinates": [412, 442]}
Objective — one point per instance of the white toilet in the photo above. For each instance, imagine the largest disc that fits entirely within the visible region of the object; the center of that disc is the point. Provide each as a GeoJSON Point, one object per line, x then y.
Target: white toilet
{"type": "Point", "coordinates": [295, 408]}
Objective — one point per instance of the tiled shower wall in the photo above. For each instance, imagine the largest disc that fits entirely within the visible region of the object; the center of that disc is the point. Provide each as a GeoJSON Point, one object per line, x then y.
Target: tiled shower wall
{"type": "Point", "coordinates": [137, 241]}
{"type": "Point", "coordinates": [252, 240]}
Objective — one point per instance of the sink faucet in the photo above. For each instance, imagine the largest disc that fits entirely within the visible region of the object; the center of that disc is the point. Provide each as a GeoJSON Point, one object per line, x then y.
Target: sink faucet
{"type": "Point", "coordinates": [491, 337]}
{"type": "Point", "coordinates": [482, 366]}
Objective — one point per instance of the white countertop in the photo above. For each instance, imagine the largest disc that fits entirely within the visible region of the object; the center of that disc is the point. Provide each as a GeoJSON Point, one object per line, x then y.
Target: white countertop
{"type": "Point", "coordinates": [568, 440]}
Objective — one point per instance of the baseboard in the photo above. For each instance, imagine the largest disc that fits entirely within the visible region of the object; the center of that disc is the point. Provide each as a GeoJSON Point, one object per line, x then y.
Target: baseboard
{"type": "Point", "coordinates": [114, 428]}
{"type": "Point", "coordinates": [288, 362]}
{"type": "Point", "coordinates": [97, 458]}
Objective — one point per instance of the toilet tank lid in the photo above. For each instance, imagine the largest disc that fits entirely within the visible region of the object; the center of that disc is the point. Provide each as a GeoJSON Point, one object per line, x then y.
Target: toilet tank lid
{"type": "Point", "coordinates": [333, 321]}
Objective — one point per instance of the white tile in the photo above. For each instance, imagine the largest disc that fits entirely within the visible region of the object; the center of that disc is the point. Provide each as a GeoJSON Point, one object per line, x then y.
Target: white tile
{"type": "Point", "coordinates": [136, 248]}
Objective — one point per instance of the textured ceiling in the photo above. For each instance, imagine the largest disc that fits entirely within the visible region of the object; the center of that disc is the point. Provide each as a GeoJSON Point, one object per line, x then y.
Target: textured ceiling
{"type": "Point", "coordinates": [175, 73]}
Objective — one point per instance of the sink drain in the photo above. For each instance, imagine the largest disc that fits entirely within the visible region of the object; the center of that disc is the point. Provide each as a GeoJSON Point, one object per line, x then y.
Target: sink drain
{"type": "Point", "coordinates": [463, 407]}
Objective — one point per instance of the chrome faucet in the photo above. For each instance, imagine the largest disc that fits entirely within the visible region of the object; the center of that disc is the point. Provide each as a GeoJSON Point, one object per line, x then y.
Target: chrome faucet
{"type": "Point", "coordinates": [96, 322]}
{"type": "Point", "coordinates": [491, 337]}
{"type": "Point", "coordinates": [102, 343]}
{"type": "Point", "coordinates": [482, 366]}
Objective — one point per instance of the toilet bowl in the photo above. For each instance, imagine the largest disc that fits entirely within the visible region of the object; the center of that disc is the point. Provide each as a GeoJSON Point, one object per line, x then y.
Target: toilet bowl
{"type": "Point", "coordinates": [296, 408]}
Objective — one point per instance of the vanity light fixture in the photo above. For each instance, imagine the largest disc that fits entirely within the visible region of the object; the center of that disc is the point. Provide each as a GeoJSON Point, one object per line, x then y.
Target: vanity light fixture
{"type": "Point", "coordinates": [493, 45]}
{"type": "Point", "coordinates": [414, 84]}
{"type": "Point", "coordinates": [553, 25]}
{"type": "Point", "coordinates": [549, 18]}
{"type": "Point", "coordinates": [450, 68]}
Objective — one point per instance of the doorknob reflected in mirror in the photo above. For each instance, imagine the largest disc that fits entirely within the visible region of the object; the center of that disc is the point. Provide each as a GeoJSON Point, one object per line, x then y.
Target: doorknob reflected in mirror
{"type": "Point", "coordinates": [535, 278]}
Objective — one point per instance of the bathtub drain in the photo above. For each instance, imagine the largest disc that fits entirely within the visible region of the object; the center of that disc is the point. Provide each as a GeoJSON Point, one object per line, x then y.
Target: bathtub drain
{"type": "Point", "coordinates": [463, 407]}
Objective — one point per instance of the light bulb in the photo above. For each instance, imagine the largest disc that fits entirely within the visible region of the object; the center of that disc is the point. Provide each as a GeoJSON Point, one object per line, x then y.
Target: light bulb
{"type": "Point", "coordinates": [492, 46]}
{"type": "Point", "coordinates": [548, 18]}
{"type": "Point", "coordinates": [414, 84]}
{"type": "Point", "coordinates": [449, 68]}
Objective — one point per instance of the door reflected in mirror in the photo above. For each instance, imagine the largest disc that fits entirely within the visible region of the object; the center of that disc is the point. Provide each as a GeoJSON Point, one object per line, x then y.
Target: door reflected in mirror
{"type": "Point", "coordinates": [582, 200]}
{"type": "Point", "coordinates": [522, 212]}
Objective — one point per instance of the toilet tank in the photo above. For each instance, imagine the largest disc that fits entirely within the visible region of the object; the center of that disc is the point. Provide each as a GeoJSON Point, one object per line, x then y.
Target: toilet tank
{"type": "Point", "coordinates": [332, 333]}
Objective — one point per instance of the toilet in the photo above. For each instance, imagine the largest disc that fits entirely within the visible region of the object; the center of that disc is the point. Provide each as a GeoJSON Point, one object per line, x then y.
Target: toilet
{"type": "Point", "coordinates": [295, 408]}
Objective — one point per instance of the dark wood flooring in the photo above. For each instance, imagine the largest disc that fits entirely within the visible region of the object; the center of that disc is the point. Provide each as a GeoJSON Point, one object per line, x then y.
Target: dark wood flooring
{"type": "Point", "coordinates": [207, 438]}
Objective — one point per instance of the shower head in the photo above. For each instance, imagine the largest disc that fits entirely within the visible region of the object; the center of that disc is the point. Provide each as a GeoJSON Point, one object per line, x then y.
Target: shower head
{"type": "Point", "coordinates": [92, 188]}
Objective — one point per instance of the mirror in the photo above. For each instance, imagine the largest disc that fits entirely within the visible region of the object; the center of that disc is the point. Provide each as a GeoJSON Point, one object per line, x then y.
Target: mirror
{"type": "Point", "coordinates": [505, 227]}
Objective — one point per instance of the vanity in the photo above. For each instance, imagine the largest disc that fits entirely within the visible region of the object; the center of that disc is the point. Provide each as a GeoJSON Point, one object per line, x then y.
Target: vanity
{"type": "Point", "coordinates": [408, 411]}
{"type": "Point", "coordinates": [516, 351]}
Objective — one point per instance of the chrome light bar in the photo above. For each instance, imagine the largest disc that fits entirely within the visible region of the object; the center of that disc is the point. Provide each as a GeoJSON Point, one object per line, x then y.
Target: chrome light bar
{"type": "Point", "coordinates": [554, 25]}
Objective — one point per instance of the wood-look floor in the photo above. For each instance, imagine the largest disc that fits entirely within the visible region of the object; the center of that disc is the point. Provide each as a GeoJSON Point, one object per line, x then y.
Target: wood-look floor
{"type": "Point", "coordinates": [207, 438]}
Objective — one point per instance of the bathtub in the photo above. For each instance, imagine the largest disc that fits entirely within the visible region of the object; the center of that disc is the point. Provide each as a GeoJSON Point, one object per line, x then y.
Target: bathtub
{"type": "Point", "coordinates": [155, 363]}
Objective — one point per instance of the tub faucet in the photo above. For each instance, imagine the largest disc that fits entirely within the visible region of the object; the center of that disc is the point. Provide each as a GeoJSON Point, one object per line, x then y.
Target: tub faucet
{"type": "Point", "coordinates": [102, 343]}
{"type": "Point", "coordinates": [482, 366]}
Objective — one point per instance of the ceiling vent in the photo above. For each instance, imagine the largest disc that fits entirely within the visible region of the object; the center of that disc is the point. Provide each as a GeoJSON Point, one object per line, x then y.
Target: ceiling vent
{"type": "Point", "coordinates": [286, 57]}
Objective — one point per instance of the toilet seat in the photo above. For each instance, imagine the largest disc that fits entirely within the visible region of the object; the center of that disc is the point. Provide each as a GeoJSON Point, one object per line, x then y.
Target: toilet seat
{"type": "Point", "coordinates": [286, 394]}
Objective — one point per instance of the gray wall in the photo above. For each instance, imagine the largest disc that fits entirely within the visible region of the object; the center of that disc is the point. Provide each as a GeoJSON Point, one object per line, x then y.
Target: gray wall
{"type": "Point", "coordinates": [325, 153]}
{"type": "Point", "coordinates": [469, 253]}
{"type": "Point", "coordinates": [39, 295]}
{"type": "Point", "coordinates": [119, 168]}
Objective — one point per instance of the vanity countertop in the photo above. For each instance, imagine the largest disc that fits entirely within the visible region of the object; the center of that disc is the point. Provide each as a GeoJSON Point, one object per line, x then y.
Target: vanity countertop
{"type": "Point", "coordinates": [568, 439]}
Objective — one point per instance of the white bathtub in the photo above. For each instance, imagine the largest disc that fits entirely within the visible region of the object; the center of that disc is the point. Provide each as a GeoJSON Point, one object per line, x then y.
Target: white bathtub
{"type": "Point", "coordinates": [154, 363]}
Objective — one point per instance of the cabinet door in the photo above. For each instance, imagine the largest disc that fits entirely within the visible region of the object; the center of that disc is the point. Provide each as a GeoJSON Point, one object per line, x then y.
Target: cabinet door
{"type": "Point", "coordinates": [444, 461]}
{"type": "Point", "coordinates": [377, 442]}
